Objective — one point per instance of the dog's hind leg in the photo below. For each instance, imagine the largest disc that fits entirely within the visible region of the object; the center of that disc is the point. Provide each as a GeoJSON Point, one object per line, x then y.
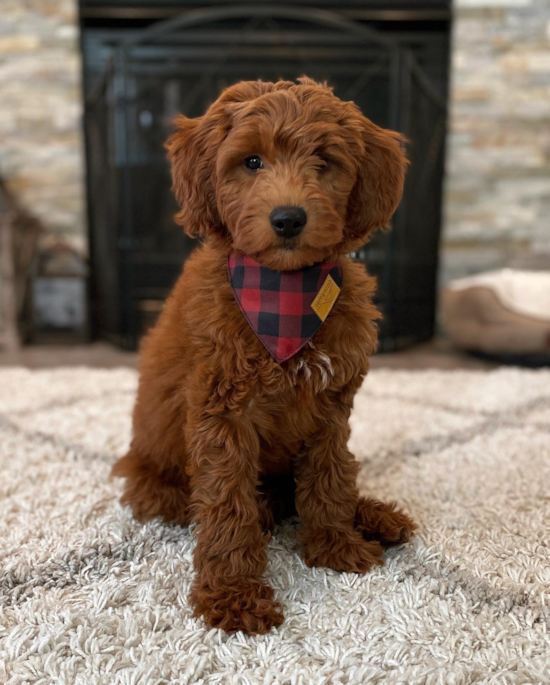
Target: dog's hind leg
{"type": "Point", "coordinates": [383, 522]}
{"type": "Point", "coordinates": [153, 491]}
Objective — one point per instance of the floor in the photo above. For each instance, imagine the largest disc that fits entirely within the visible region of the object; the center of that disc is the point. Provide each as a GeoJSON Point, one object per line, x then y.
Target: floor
{"type": "Point", "coordinates": [93, 596]}
{"type": "Point", "coordinates": [436, 354]}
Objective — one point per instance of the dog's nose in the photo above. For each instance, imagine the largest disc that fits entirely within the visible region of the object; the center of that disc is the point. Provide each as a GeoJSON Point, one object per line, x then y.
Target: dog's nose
{"type": "Point", "coordinates": [288, 222]}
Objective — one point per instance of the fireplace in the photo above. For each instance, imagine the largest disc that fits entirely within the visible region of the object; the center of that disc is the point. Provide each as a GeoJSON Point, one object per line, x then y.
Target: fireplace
{"type": "Point", "coordinates": [145, 63]}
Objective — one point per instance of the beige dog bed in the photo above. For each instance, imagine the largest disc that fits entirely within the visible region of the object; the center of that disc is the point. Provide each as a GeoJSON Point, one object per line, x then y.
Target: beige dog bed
{"type": "Point", "coordinates": [499, 312]}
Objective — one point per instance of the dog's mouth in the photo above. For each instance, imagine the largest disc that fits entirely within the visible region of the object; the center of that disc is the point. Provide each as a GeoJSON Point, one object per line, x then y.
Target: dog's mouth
{"type": "Point", "coordinates": [318, 242]}
{"type": "Point", "coordinates": [290, 255]}
{"type": "Point", "coordinates": [289, 244]}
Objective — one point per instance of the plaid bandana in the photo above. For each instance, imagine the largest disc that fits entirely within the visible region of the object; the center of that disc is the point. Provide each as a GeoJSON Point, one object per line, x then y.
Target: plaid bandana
{"type": "Point", "coordinates": [284, 308]}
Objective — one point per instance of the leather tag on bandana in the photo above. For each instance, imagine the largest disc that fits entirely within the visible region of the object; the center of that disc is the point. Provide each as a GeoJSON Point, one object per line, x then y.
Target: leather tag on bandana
{"type": "Point", "coordinates": [326, 297]}
{"type": "Point", "coordinates": [284, 308]}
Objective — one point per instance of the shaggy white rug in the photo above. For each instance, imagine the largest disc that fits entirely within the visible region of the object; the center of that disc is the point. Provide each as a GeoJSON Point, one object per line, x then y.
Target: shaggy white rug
{"type": "Point", "coordinates": [91, 597]}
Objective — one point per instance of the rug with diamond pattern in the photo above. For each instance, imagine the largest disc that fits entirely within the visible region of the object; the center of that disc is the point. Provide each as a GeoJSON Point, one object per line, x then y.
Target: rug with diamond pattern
{"type": "Point", "coordinates": [91, 597]}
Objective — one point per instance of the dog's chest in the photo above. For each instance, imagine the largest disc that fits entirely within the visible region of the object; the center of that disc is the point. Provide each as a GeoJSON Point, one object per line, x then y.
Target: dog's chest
{"type": "Point", "coordinates": [311, 369]}
{"type": "Point", "coordinates": [284, 419]}
{"type": "Point", "coordinates": [307, 374]}
{"type": "Point", "coordinates": [287, 409]}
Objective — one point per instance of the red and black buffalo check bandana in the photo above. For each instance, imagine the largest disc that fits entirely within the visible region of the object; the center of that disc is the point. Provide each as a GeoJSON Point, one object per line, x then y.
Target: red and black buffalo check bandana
{"type": "Point", "coordinates": [284, 308]}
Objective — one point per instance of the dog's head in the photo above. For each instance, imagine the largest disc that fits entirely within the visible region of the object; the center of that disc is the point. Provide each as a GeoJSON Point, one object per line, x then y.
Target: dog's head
{"type": "Point", "coordinates": [286, 172]}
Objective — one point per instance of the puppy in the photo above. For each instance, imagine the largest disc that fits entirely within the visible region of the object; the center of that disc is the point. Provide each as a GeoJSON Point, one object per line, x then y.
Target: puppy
{"type": "Point", "coordinates": [248, 378]}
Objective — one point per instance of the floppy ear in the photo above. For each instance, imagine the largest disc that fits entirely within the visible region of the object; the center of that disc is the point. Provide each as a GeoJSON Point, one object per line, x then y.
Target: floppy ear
{"type": "Point", "coordinates": [379, 184]}
{"type": "Point", "coordinates": [192, 152]}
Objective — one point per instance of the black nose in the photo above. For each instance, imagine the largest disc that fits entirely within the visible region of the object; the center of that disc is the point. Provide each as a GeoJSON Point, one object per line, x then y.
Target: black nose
{"type": "Point", "coordinates": [288, 222]}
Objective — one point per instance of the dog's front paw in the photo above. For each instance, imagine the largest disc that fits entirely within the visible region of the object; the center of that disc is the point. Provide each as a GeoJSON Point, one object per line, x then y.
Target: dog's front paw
{"type": "Point", "coordinates": [349, 553]}
{"type": "Point", "coordinates": [245, 605]}
{"type": "Point", "coordinates": [383, 522]}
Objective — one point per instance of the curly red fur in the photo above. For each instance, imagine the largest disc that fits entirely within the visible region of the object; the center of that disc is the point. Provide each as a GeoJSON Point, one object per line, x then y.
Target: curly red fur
{"type": "Point", "coordinates": [223, 434]}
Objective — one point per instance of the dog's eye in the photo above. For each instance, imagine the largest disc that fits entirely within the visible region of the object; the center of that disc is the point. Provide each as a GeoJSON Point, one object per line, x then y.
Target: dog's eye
{"type": "Point", "coordinates": [253, 163]}
{"type": "Point", "coordinates": [321, 163]}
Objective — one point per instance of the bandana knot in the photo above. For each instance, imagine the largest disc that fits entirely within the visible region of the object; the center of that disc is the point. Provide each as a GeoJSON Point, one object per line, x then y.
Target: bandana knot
{"type": "Point", "coordinates": [284, 308]}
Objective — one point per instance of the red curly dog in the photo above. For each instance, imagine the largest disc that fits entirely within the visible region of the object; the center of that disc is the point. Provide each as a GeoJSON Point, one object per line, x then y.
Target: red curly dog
{"type": "Point", "coordinates": [223, 433]}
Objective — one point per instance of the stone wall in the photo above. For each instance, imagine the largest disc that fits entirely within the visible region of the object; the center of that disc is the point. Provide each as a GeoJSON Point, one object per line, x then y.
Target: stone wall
{"type": "Point", "coordinates": [41, 149]}
{"type": "Point", "coordinates": [497, 209]}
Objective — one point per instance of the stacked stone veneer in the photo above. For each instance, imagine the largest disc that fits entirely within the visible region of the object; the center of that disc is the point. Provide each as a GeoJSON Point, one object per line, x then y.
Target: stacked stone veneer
{"type": "Point", "coordinates": [497, 206]}
{"type": "Point", "coordinates": [41, 150]}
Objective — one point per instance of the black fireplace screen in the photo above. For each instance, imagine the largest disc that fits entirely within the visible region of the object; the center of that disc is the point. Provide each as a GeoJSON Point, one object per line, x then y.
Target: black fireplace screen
{"type": "Point", "coordinates": [399, 79]}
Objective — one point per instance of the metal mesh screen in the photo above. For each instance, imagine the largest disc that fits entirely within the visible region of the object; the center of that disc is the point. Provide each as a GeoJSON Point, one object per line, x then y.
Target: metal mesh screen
{"type": "Point", "coordinates": [181, 65]}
